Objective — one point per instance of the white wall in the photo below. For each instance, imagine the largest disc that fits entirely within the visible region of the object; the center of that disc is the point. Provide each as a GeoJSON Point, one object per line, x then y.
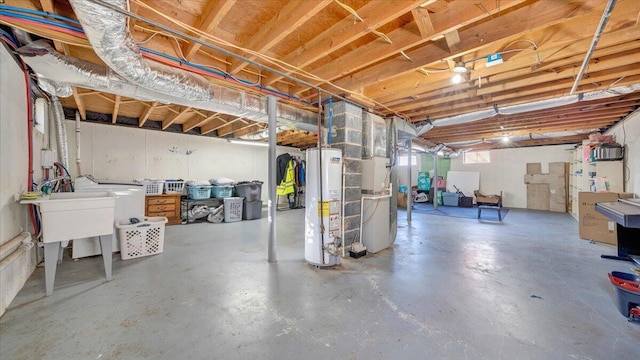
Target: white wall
{"type": "Point", "coordinates": [13, 174]}
{"type": "Point", "coordinates": [627, 132]}
{"type": "Point", "coordinates": [119, 153]}
{"type": "Point", "coordinates": [507, 169]}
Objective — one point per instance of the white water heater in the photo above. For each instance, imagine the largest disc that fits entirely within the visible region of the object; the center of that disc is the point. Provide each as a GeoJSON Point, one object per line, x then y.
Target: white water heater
{"type": "Point", "coordinates": [323, 207]}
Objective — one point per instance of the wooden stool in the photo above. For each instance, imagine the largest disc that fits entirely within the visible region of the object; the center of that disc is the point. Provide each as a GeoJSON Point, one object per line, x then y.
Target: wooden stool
{"type": "Point", "coordinates": [498, 208]}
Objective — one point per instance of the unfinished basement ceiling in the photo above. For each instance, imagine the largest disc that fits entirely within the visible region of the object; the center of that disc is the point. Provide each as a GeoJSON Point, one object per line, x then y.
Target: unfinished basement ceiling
{"type": "Point", "coordinates": [392, 57]}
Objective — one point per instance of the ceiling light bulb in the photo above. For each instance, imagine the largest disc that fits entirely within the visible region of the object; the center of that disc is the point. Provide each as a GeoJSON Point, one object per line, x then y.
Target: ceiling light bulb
{"type": "Point", "coordinates": [459, 68]}
{"type": "Point", "coordinates": [456, 79]}
{"type": "Point", "coordinates": [505, 138]}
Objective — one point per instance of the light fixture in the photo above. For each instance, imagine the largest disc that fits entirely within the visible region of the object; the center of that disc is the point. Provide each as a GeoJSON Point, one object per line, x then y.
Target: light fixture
{"type": "Point", "coordinates": [245, 142]}
{"type": "Point", "coordinates": [457, 78]}
{"type": "Point", "coordinates": [505, 138]}
{"type": "Point", "coordinates": [459, 68]}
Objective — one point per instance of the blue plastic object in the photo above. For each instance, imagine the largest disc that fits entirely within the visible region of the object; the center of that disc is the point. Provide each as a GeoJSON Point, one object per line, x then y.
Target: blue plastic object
{"type": "Point", "coordinates": [403, 189]}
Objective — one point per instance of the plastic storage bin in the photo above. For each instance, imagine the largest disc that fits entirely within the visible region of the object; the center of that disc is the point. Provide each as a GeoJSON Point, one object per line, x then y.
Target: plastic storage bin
{"type": "Point", "coordinates": [141, 239]}
{"type": "Point", "coordinates": [627, 291]}
{"type": "Point", "coordinates": [173, 186]}
{"type": "Point", "coordinates": [222, 191]}
{"type": "Point", "coordinates": [232, 209]}
{"type": "Point", "coordinates": [199, 192]}
{"type": "Point", "coordinates": [251, 210]}
{"type": "Point", "coordinates": [152, 187]}
{"type": "Point", "coordinates": [450, 199]}
{"type": "Point", "coordinates": [249, 190]}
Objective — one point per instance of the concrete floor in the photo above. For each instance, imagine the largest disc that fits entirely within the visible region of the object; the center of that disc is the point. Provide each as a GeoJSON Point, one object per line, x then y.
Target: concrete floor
{"type": "Point", "coordinates": [449, 288]}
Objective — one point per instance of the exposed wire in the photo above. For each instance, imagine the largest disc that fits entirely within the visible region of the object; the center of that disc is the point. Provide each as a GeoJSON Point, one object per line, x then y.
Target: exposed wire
{"type": "Point", "coordinates": [78, 32]}
{"type": "Point", "coordinates": [281, 64]}
{"type": "Point", "coordinates": [349, 9]}
{"type": "Point", "coordinates": [484, 9]}
{"type": "Point", "coordinates": [406, 56]}
{"type": "Point", "coordinates": [535, 46]}
{"type": "Point", "coordinates": [383, 36]}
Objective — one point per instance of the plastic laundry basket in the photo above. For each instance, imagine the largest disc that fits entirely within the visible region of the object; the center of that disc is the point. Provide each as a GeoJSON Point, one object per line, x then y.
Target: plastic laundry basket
{"type": "Point", "coordinates": [232, 209]}
{"type": "Point", "coordinates": [141, 239]}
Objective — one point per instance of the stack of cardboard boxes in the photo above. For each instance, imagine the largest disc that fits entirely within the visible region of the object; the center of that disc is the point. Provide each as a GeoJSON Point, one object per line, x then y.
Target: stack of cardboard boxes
{"type": "Point", "coordinates": [547, 191]}
{"type": "Point", "coordinates": [592, 224]}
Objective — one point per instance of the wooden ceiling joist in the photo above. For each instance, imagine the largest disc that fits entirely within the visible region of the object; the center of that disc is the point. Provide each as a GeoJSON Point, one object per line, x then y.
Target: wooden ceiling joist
{"type": "Point", "coordinates": [195, 122]}
{"type": "Point", "coordinates": [147, 112]}
{"type": "Point", "coordinates": [181, 114]}
{"type": "Point", "coordinates": [286, 21]}
{"type": "Point", "coordinates": [211, 17]}
{"type": "Point", "coordinates": [375, 14]}
{"type": "Point", "coordinates": [521, 20]}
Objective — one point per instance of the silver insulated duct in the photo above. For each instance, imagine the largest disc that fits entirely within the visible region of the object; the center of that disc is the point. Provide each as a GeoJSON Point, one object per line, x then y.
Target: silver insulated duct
{"type": "Point", "coordinates": [107, 32]}
{"type": "Point", "coordinates": [56, 89]}
{"type": "Point", "coordinates": [50, 64]}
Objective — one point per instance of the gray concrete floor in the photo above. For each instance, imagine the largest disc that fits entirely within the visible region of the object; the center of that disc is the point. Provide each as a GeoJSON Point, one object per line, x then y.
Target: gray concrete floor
{"type": "Point", "coordinates": [449, 288]}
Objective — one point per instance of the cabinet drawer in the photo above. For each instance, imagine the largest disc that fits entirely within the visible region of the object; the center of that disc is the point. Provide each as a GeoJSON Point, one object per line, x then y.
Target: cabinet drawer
{"type": "Point", "coordinates": [161, 201]}
{"type": "Point", "coordinates": [168, 214]}
{"type": "Point", "coordinates": [157, 208]}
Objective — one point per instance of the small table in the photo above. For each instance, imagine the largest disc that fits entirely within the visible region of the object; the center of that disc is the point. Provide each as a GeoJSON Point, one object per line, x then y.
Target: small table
{"type": "Point", "coordinates": [492, 207]}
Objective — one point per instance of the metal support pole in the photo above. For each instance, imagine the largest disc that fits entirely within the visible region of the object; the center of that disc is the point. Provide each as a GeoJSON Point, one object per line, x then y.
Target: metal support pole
{"type": "Point", "coordinates": [271, 204]}
{"type": "Point", "coordinates": [435, 181]}
{"type": "Point", "coordinates": [409, 192]}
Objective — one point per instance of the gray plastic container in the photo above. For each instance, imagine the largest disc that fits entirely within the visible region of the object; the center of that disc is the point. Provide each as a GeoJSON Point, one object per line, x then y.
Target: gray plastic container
{"type": "Point", "coordinates": [252, 210]}
{"type": "Point", "coordinates": [250, 190]}
{"type": "Point", "coordinates": [450, 199]}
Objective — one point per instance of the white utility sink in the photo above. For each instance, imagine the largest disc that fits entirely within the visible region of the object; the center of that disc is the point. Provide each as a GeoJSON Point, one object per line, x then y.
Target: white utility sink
{"type": "Point", "coordinates": [73, 215]}
{"type": "Point", "coordinates": [67, 216]}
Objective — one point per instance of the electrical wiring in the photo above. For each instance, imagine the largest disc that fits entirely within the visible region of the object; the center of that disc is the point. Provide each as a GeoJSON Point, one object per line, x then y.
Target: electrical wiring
{"type": "Point", "coordinates": [281, 64]}
{"type": "Point", "coordinates": [80, 33]}
{"type": "Point", "coordinates": [37, 12]}
{"type": "Point", "coordinates": [384, 36]}
{"type": "Point", "coordinates": [68, 29]}
{"type": "Point", "coordinates": [13, 44]}
{"type": "Point", "coordinates": [350, 10]}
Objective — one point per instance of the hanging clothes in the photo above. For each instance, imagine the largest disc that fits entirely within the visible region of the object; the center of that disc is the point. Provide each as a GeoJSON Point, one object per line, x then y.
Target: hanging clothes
{"type": "Point", "coordinates": [301, 174]}
{"type": "Point", "coordinates": [286, 186]}
{"type": "Point", "coordinates": [282, 161]}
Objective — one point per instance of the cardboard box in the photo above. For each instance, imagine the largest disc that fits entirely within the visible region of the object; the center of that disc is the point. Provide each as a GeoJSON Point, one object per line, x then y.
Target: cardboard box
{"type": "Point", "coordinates": [402, 200]}
{"type": "Point", "coordinates": [534, 168]}
{"type": "Point", "coordinates": [558, 168]}
{"type": "Point", "coordinates": [592, 224]}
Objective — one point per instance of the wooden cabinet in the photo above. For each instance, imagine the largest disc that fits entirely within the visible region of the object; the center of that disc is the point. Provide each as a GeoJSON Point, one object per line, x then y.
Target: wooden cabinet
{"type": "Point", "coordinates": [164, 205]}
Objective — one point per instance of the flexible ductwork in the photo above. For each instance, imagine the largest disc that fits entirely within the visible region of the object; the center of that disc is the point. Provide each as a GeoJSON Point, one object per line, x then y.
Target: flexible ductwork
{"type": "Point", "coordinates": [56, 89]}
{"type": "Point", "coordinates": [465, 118]}
{"type": "Point", "coordinates": [523, 137]}
{"type": "Point", "coordinates": [107, 32]}
{"type": "Point", "coordinates": [48, 63]}
{"type": "Point", "coordinates": [538, 105]}
{"type": "Point", "coordinates": [61, 131]}
{"type": "Point", "coordinates": [533, 106]}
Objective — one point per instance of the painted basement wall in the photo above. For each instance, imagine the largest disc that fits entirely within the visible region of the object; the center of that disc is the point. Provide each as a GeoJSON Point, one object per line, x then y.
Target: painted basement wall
{"type": "Point", "coordinates": [627, 132]}
{"type": "Point", "coordinates": [13, 175]}
{"type": "Point", "coordinates": [123, 154]}
{"type": "Point", "coordinates": [507, 169]}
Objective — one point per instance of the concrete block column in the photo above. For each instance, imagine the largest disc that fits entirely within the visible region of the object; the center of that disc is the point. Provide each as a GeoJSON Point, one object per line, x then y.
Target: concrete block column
{"type": "Point", "coordinates": [347, 120]}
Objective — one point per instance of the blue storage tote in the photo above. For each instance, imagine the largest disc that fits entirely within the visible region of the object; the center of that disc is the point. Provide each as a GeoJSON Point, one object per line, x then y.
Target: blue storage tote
{"type": "Point", "coordinates": [199, 192]}
{"type": "Point", "coordinates": [450, 199]}
{"type": "Point", "coordinates": [222, 191]}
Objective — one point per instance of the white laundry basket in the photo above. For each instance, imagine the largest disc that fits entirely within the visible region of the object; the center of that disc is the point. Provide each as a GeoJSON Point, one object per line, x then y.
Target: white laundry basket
{"type": "Point", "coordinates": [141, 239]}
{"type": "Point", "coordinates": [232, 209]}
